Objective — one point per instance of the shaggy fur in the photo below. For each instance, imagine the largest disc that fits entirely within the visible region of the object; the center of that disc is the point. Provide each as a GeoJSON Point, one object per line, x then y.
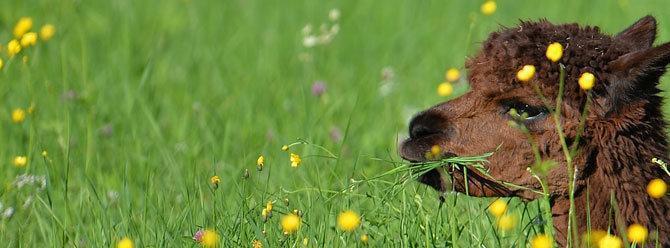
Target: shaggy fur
{"type": "Point", "coordinates": [624, 128]}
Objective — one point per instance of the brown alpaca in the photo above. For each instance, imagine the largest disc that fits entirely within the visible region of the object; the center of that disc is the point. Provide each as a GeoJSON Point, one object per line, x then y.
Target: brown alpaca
{"type": "Point", "coordinates": [624, 129]}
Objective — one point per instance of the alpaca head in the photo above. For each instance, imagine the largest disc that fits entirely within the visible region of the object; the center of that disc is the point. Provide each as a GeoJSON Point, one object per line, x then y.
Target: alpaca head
{"type": "Point", "coordinates": [623, 102]}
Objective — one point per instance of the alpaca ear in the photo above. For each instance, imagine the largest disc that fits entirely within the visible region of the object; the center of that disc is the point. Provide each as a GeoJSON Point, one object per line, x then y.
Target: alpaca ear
{"type": "Point", "coordinates": [635, 75]}
{"type": "Point", "coordinates": [641, 34]}
{"type": "Point", "coordinates": [637, 64]}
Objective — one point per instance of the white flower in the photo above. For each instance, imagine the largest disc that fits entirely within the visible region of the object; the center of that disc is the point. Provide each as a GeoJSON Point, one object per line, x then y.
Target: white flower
{"type": "Point", "coordinates": [386, 87]}
{"type": "Point", "coordinates": [307, 30]}
{"type": "Point", "coordinates": [334, 14]}
{"type": "Point", "coordinates": [27, 202]}
{"type": "Point", "coordinates": [112, 195]}
{"type": "Point", "coordinates": [325, 38]}
{"type": "Point", "coordinates": [387, 84]}
{"type": "Point", "coordinates": [8, 213]}
{"type": "Point", "coordinates": [30, 180]}
{"type": "Point", "coordinates": [388, 74]}
{"type": "Point", "coordinates": [309, 41]}
{"type": "Point", "coordinates": [335, 29]}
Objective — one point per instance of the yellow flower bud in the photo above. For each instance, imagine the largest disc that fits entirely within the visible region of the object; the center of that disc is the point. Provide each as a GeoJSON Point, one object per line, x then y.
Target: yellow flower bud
{"type": "Point", "coordinates": [489, 7]}
{"type": "Point", "coordinates": [610, 241]}
{"type": "Point", "coordinates": [657, 188]}
{"type": "Point", "coordinates": [554, 51]}
{"type": "Point", "coordinates": [290, 223]}
{"type": "Point", "coordinates": [452, 75]}
{"type": "Point", "coordinates": [637, 233]}
{"type": "Point", "coordinates": [20, 161]}
{"type": "Point", "coordinates": [541, 241]}
{"type": "Point", "coordinates": [348, 221]}
{"type": "Point", "coordinates": [47, 31]}
{"type": "Point", "coordinates": [526, 73]}
{"type": "Point", "coordinates": [498, 207]}
{"type": "Point", "coordinates": [125, 243]}
{"type": "Point", "coordinates": [587, 81]}
{"type": "Point", "coordinates": [29, 39]}
{"type": "Point", "coordinates": [23, 26]}
{"type": "Point", "coordinates": [215, 180]}
{"type": "Point", "coordinates": [506, 222]}
{"type": "Point", "coordinates": [18, 115]}
{"type": "Point", "coordinates": [13, 48]}
{"type": "Point", "coordinates": [445, 89]}
{"type": "Point", "coordinates": [210, 239]}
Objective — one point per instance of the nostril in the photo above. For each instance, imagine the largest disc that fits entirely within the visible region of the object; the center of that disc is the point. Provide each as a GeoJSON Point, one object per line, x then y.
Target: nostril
{"type": "Point", "coordinates": [420, 130]}
{"type": "Point", "coordinates": [427, 123]}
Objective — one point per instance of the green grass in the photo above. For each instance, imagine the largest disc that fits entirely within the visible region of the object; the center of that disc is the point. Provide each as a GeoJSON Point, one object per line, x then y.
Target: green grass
{"type": "Point", "coordinates": [149, 99]}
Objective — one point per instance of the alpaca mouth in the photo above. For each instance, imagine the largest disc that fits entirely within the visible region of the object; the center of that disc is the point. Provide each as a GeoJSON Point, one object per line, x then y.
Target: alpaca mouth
{"type": "Point", "coordinates": [434, 179]}
{"type": "Point", "coordinates": [451, 178]}
{"type": "Point", "coordinates": [415, 152]}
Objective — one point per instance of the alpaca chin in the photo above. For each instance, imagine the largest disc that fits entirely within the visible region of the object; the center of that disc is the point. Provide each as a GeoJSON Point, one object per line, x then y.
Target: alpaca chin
{"type": "Point", "coordinates": [433, 178]}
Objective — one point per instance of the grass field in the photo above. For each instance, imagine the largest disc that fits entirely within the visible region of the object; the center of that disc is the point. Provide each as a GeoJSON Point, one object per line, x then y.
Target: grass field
{"type": "Point", "coordinates": [137, 104]}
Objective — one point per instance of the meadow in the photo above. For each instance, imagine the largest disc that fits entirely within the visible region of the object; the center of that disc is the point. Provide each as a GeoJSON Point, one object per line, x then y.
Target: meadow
{"type": "Point", "coordinates": [145, 120]}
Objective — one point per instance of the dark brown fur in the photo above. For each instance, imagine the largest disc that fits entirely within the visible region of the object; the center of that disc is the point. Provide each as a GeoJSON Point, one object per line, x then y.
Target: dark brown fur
{"type": "Point", "coordinates": [624, 129]}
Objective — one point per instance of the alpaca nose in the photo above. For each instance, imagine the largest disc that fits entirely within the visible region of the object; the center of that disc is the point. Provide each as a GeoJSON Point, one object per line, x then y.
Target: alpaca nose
{"type": "Point", "coordinates": [427, 123]}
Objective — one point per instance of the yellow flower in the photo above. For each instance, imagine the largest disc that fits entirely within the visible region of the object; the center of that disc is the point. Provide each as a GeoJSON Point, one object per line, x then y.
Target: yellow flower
{"type": "Point", "coordinates": [284, 148]}
{"type": "Point", "coordinates": [295, 160]}
{"type": "Point", "coordinates": [348, 221]}
{"type": "Point", "coordinates": [506, 222]}
{"type": "Point", "coordinates": [290, 223]}
{"type": "Point", "coordinates": [18, 115]}
{"type": "Point", "coordinates": [125, 243]}
{"type": "Point", "coordinates": [498, 207]}
{"type": "Point", "coordinates": [13, 48]}
{"type": "Point", "coordinates": [610, 241]}
{"type": "Point", "coordinates": [29, 39]}
{"type": "Point", "coordinates": [23, 26]}
{"type": "Point", "coordinates": [452, 75]}
{"type": "Point", "coordinates": [20, 161]}
{"type": "Point", "coordinates": [1, 64]}
{"type": "Point", "coordinates": [256, 244]}
{"type": "Point", "coordinates": [489, 7]}
{"type": "Point", "coordinates": [260, 162]}
{"type": "Point", "coordinates": [215, 180]}
{"type": "Point", "coordinates": [45, 153]}
{"type": "Point", "coordinates": [210, 238]}
{"type": "Point", "coordinates": [657, 188]}
{"type": "Point", "coordinates": [365, 238]}
{"type": "Point", "coordinates": [434, 152]}
{"type": "Point", "coordinates": [526, 73]}
{"type": "Point", "coordinates": [265, 214]}
{"type": "Point", "coordinates": [637, 233]}
{"type": "Point", "coordinates": [541, 241]}
{"type": "Point", "coordinates": [445, 89]}
{"type": "Point", "coordinates": [586, 81]}
{"type": "Point", "coordinates": [268, 206]}
{"type": "Point", "coordinates": [47, 31]}
{"type": "Point", "coordinates": [593, 238]}
{"type": "Point", "coordinates": [554, 51]}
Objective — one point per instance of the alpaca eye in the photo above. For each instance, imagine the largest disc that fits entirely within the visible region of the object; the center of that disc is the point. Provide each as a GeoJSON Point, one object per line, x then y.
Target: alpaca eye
{"type": "Point", "coordinates": [524, 111]}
